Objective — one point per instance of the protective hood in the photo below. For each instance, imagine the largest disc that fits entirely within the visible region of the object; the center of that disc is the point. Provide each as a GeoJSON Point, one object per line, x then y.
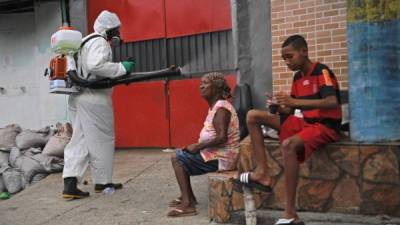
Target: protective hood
{"type": "Point", "coordinates": [106, 21]}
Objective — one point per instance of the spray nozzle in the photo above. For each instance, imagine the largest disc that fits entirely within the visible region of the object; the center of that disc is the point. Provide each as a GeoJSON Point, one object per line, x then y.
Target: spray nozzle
{"type": "Point", "coordinates": [130, 59]}
{"type": "Point", "coordinates": [175, 68]}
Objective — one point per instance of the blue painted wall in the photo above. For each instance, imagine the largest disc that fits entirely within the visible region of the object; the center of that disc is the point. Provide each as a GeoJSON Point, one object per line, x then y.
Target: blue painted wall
{"type": "Point", "coordinates": [374, 80]}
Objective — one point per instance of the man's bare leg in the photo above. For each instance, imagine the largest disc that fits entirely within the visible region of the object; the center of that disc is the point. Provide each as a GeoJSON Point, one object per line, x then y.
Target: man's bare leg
{"type": "Point", "coordinates": [256, 118]}
{"type": "Point", "coordinates": [289, 148]}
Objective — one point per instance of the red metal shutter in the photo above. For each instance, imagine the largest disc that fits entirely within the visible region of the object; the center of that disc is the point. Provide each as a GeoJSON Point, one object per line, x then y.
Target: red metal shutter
{"type": "Point", "coordinates": [140, 19]}
{"type": "Point", "coordinates": [193, 16]}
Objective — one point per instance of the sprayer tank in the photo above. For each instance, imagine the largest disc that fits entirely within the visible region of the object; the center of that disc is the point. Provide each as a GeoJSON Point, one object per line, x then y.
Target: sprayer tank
{"type": "Point", "coordinates": [66, 40]}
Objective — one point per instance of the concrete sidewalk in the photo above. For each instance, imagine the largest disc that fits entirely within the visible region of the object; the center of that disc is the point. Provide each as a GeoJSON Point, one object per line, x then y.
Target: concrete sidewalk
{"type": "Point", "coordinates": [149, 184]}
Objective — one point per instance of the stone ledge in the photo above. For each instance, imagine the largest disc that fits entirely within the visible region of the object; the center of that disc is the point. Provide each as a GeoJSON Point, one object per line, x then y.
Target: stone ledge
{"type": "Point", "coordinates": [344, 177]}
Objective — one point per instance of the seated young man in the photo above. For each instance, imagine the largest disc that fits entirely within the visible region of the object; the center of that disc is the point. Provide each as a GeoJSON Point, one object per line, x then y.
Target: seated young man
{"type": "Point", "coordinates": [308, 118]}
{"type": "Point", "coordinates": [217, 148]}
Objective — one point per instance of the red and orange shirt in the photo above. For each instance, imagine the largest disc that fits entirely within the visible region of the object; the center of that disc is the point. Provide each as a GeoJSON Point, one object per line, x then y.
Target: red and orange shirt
{"type": "Point", "coordinates": [318, 83]}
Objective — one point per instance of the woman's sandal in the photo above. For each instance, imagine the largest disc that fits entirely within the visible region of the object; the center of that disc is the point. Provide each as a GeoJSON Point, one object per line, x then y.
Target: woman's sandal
{"type": "Point", "coordinates": [244, 179]}
{"type": "Point", "coordinates": [176, 202]}
{"type": "Point", "coordinates": [181, 212]}
{"type": "Point", "coordinates": [288, 222]}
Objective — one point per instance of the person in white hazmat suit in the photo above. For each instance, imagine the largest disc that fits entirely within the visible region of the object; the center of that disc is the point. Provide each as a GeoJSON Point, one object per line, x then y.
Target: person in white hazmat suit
{"type": "Point", "coordinates": [91, 112]}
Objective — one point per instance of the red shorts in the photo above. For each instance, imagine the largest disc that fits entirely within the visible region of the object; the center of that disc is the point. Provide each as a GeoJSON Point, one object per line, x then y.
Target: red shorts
{"type": "Point", "coordinates": [314, 135]}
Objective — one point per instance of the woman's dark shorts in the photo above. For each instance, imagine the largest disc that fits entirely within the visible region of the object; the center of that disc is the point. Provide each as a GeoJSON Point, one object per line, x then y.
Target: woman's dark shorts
{"type": "Point", "coordinates": [194, 164]}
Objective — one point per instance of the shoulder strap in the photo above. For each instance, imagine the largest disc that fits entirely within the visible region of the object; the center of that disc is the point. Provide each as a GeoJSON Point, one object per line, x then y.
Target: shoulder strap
{"type": "Point", "coordinates": [90, 38]}
{"type": "Point", "coordinates": [83, 43]}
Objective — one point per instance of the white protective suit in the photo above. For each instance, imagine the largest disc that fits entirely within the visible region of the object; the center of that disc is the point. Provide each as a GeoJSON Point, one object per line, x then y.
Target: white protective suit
{"type": "Point", "coordinates": [91, 111]}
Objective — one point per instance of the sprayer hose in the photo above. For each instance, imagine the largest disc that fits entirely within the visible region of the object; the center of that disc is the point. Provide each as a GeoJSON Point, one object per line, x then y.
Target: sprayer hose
{"type": "Point", "coordinates": [126, 79]}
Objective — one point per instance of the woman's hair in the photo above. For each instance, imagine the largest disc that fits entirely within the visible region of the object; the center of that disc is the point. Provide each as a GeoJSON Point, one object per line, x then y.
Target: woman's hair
{"type": "Point", "coordinates": [219, 81]}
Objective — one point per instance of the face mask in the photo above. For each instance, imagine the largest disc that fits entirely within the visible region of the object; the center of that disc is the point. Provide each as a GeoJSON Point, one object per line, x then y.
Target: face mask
{"type": "Point", "coordinates": [113, 36]}
{"type": "Point", "coordinates": [116, 41]}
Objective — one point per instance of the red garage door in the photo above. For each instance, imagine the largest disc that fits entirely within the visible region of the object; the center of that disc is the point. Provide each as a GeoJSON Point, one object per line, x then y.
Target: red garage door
{"type": "Point", "coordinates": [141, 115]}
{"type": "Point", "coordinates": [159, 114]}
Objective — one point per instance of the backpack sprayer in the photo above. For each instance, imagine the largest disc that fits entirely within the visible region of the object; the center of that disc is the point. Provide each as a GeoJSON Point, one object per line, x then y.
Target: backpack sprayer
{"type": "Point", "coordinates": [65, 42]}
{"type": "Point", "coordinates": [62, 70]}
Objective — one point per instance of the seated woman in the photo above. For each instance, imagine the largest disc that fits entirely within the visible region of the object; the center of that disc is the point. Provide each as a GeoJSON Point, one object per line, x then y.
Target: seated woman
{"type": "Point", "coordinates": [217, 148]}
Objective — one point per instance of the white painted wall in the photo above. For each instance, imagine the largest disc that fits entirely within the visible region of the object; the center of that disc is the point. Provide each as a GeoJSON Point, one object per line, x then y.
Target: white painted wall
{"type": "Point", "coordinates": [24, 54]}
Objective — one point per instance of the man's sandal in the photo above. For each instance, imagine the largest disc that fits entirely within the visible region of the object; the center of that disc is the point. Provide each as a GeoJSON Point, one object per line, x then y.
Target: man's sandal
{"type": "Point", "coordinates": [244, 179]}
{"type": "Point", "coordinates": [288, 222]}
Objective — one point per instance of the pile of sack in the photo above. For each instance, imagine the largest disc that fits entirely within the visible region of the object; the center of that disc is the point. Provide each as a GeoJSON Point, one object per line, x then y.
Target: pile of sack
{"type": "Point", "coordinates": [27, 156]}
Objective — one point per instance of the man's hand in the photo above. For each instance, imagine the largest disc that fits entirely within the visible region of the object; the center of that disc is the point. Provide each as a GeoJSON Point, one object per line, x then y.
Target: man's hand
{"type": "Point", "coordinates": [285, 100]}
{"type": "Point", "coordinates": [270, 100]}
{"type": "Point", "coordinates": [129, 66]}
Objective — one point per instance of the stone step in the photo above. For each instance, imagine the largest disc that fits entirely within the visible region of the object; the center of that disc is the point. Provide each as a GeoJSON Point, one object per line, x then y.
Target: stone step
{"type": "Point", "coordinates": [269, 217]}
{"type": "Point", "coordinates": [342, 177]}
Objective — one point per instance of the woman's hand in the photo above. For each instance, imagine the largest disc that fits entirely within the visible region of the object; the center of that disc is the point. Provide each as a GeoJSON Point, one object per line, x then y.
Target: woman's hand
{"type": "Point", "coordinates": [193, 148]}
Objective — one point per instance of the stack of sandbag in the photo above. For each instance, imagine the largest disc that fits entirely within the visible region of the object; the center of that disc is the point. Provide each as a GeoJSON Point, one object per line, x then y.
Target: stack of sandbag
{"type": "Point", "coordinates": [31, 163]}
{"type": "Point", "coordinates": [8, 136]}
{"type": "Point", "coordinates": [4, 156]}
{"type": "Point", "coordinates": [23, 159]}
{"type": "Point", "coordinates": [56, 144]}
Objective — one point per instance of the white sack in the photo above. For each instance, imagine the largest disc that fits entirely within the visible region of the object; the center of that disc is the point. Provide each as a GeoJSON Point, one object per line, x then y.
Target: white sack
{"type": "Point", "coordinates": [33, 139]}
{"type": "Point", "coordinates": [8, 135]}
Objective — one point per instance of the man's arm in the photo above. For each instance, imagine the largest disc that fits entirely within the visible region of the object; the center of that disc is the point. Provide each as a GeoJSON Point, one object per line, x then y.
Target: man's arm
{"type": "Point", "coordinates": [285, 109]}
{"type": "Point", "coordinates": [97, 60]}
{"type": "Point", "coordinates": [328, 102]}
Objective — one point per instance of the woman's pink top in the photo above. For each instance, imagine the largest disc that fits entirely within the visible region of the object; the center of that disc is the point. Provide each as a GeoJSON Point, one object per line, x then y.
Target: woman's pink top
{"type": "Point", "coordinates": [227, 153]}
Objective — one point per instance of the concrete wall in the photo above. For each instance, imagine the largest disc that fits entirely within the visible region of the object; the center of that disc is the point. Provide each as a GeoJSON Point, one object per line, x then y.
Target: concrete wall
{"type": "Point", "coordinates": [252, 39]}
{"type": "Point", "coordinates": [78, 15]}
{"type": "Point", "coordinates": [18, 85]}
{"type": "Point", "coordinates": [24, 54]}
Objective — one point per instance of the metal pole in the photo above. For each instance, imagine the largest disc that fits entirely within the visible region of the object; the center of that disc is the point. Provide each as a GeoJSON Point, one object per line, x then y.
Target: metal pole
{"type": "Point", "coordinates": [250, 210]}
{"type": "Point", "coordinates": [234, 32]}
{"type": "Point", "coordinates": [65, 12]}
